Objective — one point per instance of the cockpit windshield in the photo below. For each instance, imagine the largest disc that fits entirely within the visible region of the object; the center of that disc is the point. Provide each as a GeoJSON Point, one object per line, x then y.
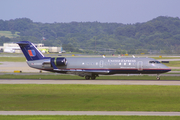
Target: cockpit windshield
{"type": "Point", "coordinates": [154, 62]}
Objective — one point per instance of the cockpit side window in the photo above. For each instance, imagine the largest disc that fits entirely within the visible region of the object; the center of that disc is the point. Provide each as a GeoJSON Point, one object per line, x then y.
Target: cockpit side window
{"type": "Point", "coordinates": [157, 61]}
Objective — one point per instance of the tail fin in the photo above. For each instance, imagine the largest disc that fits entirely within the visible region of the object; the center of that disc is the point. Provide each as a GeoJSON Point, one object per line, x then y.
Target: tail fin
{"type": "Point", "coordinates": [30, 51]}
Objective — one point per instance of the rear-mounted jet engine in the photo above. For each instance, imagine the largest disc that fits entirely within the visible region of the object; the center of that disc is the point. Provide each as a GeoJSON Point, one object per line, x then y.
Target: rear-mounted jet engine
{"type": "Point", "coordinates": [61, 61]}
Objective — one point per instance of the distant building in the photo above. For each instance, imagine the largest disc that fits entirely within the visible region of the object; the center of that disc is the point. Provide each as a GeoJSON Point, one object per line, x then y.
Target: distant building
{"type": "Point", "coordinates": [14, 48]}
{"type": "Point", "coordinates": [11, 48]}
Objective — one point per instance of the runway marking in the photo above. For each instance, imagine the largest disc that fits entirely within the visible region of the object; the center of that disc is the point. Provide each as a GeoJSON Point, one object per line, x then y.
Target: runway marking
{"type": "Point", "coordinates": [140, 113]}
{"type": "Point", "coordinates": [93, 82]}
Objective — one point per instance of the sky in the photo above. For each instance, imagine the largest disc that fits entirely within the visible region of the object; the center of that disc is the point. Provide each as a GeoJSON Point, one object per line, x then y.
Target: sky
{"type": "Point", "coordinates": [105, 11]}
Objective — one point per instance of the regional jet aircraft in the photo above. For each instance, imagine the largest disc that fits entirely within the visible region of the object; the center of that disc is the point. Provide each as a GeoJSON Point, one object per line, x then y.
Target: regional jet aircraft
{"type": "Point", "coordinates": [91, 67]}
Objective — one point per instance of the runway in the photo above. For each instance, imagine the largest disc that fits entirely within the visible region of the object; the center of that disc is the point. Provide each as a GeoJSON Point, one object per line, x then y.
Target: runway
{"type": "Point", "coordinates": [93, 82]}
{"type": "Point", "coordinates": [125, 113]}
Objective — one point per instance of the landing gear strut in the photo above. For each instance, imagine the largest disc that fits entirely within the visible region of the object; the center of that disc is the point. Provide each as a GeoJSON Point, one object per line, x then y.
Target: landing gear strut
{"type": "Point", "coordinates": [158, 77]}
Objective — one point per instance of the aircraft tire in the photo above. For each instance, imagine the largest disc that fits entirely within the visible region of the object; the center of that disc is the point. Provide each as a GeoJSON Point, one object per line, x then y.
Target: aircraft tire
{"type": "Point", "coordinates": [93, 77]}
{"type": "Point", "coordinates": [87, 77]}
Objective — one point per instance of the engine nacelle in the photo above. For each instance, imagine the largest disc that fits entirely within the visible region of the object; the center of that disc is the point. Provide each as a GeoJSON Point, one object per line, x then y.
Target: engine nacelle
{"type": "Point", "coordinates": [60, 61]}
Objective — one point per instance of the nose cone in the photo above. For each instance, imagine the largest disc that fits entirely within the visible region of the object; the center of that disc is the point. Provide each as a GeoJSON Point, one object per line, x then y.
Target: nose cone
{"type": "Point", "coordinates": [165, 68]}
{"type": "Point", "coordinates": [168, 69]}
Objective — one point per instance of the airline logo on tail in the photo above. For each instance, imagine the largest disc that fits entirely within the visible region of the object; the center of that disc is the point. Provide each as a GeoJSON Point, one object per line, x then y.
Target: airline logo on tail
{"type": "Point", "coordinates": [31, 53]}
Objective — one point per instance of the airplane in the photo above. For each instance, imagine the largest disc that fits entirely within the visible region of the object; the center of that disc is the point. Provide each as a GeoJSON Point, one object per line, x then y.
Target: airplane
{"type": "Point", "coordinates": [91, 67]}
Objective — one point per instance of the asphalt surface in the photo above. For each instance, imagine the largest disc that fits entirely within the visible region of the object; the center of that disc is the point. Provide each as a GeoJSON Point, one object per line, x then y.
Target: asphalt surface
{"type": "Point", "coordinates": [16, 66]}
{"type": "Point", "coordinates": [93, 82]}
{"type": "Point", "coordinates": [127, 113]}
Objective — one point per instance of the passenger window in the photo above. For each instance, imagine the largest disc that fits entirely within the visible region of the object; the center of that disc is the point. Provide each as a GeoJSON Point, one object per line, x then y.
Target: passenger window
{"type": "Point", "coordinates": [151, 61]}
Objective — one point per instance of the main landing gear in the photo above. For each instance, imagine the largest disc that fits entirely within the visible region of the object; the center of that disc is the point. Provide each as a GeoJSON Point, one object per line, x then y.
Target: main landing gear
{"type": "Point", "coordinates": [93, 77]}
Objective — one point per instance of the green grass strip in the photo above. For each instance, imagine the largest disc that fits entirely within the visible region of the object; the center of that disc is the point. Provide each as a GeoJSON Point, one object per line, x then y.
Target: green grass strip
{"type": "Point", "coordinates": [12, 59]}
{"type": "Point", "coordinates": [9, 34]}
{"type": "Point", "coordinates": [85, 117]}
{"type": "Point", "coordinates": [33, 97]}
{"type": "Point", "coordinates": [173, 64]}
{"type": "Point", "coordinates": [165, 58]}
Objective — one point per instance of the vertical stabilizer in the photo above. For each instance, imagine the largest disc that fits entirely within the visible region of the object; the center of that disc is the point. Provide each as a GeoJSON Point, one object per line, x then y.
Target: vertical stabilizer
{"type": "Point", "coordinates": [30, 51]}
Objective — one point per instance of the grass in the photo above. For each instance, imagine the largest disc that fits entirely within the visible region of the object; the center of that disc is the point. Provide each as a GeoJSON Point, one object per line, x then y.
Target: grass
{"type": "Point", "coordinates": [173, 64]}
{"type": "Point", "coordinates": [12, 59]}
{"type": "Point", "coordinates": [166, 58]}
{"type": "Point", "coordinates": [75, 77]}
{"type": "Point", "coordinates": [85, 117]}
{"type": "Point", "coordinates": [175, 69]}
{"type": "Point", "coordinates": [32, 97]}
{"type": "Point", "coordinates": [8, 34]}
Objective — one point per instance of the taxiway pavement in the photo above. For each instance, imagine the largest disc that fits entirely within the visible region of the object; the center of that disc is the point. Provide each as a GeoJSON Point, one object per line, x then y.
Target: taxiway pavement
{"type": "Point", "coordinates": [94, 82]}
{"type": "Point", "coordinates": [141, 113]}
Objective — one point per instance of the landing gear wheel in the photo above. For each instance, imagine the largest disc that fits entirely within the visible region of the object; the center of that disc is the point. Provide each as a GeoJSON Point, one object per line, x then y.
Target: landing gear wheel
{"type": "Point", "coordinates": [93, 77]}
{"type": "Point", "coordinates": [87, 77]}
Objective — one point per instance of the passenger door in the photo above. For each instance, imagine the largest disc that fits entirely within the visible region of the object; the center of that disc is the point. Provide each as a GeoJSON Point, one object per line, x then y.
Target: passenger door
{"type": "Point", "coordinates": [140, 66]}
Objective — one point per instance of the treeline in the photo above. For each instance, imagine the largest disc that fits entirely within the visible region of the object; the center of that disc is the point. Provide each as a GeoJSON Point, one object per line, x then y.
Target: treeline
{"type": "Point", "coordinates": [160, 34]}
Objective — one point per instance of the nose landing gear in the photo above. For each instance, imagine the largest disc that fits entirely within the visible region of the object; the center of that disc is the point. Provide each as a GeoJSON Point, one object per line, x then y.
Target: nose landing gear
{"type": "Point", "coordinates": [158, 77]}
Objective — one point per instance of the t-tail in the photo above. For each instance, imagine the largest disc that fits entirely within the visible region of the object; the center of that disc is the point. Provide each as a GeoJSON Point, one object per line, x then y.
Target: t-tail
{"type": "Point", "coordinates": [30, 51]}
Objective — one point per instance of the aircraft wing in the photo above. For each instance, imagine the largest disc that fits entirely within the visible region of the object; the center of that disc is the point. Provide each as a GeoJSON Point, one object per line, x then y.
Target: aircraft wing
{"type": "Point", "coordinates": [97, 71]}
{"type": "Point", "coordinates": [84, 71]}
